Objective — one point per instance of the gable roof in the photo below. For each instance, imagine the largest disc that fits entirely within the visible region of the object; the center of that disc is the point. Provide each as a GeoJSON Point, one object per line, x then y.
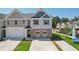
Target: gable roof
{"type": "Point", "coordinates": [28, 15]}
{"type": "Point", "coordinates": [15, 14]}
{"type": "Point", "coordinates": [45, 16]}
{"type": "Point", "coordinates": [40, 13]}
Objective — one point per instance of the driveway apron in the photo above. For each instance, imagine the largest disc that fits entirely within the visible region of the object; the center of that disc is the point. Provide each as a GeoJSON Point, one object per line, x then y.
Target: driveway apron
{"type": "Point", "coordinates": [42, 45]}
{"type": "Point", "coordinates": [8, 45]}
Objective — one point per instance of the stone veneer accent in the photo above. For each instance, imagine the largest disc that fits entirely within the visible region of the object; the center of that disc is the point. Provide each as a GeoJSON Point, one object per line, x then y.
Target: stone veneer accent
{"type": "Point", "coordinates": [33, 32]}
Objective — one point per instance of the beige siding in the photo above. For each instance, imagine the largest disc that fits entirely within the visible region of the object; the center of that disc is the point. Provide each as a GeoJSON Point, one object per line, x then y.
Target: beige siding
{"type": "Point", "coordinates": [15, 15]}
{"type": "Point", "coordinates": [12, 23]}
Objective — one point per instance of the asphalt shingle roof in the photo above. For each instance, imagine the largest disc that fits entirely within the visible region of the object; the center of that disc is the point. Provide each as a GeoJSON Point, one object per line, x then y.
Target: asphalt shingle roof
{"type": "Point", "coordinates": [28, 15]}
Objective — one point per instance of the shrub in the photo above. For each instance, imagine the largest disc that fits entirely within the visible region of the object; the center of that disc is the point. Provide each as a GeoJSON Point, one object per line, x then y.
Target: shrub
{"type": "Point", "coordinates": [77, 35]}
{"type": "Point", "coordinates": [56, 36]}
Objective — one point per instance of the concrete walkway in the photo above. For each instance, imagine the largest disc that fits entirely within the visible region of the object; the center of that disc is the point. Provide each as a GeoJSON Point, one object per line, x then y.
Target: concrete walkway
{"type": "Point", "coordinates": [8, 45]}
{"type": "Point", "coordinates": [42, 45]}
{"type": "Point", "coordinates": [65, 46]}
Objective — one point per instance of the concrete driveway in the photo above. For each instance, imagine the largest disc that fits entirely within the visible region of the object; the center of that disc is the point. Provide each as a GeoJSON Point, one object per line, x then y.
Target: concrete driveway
{"type": "Point", "coordinates": [8, 45]}
{"type": "Point", "coordinates": [42, 45]}
{"type": "Point", "coordinates": [65, 46]}
{"type": "Point", "coordinates": [48, 45]}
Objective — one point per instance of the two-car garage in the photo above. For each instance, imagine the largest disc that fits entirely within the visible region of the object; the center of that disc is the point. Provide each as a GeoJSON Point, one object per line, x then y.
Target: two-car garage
{"type": "Point", "coordinates": [16, 32]}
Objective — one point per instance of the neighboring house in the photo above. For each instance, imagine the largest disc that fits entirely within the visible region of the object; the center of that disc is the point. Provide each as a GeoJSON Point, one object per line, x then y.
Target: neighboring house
{"type": "Point", "coordinates": [75, 24]}
{"type": "Point", "coordinates": [20, 25]}
{"type": "Point", "coordinates": [60, 26]}
{"type": "Point", "coordinates": [69, 24]}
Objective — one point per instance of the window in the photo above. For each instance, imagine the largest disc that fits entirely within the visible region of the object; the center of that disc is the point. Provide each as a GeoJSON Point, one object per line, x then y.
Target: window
{"type": "Point", "coordinates": [28, 22]}
{"type": "Point", "coordinates": [23, 21]}
{"type": "Point", "coordinates": [15, 22]}
{"type": "Point", "coordinates": [44, 32]}
{"type": "Point", "coordinates": [77, 24]}
{"type": "Point", "coordinates": [3, 26]}
{"type": "Point", "coordinates": [7, 22]}
{"type": "Point", "coordinates": [37, 32]}
{"type": "Point", "coordinates": [35, 22]}
{"type": "Point", "coordinates": [46, 22]}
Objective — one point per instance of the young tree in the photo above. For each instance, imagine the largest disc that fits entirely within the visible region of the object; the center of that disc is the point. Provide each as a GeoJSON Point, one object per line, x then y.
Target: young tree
{"type": "Point", "coordinates": [67, 30]}
{"type": "Point", "coordinates": [75, 18]}
{"type": "Point", "coordinates": [64, 19]}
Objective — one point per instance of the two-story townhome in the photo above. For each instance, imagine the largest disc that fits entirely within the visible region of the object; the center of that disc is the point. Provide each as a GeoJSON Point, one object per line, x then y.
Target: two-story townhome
{"type": "Point", "coordinates": [26, 25]}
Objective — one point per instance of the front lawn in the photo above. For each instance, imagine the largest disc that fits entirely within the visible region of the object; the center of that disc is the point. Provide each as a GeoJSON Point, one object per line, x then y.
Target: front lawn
{"type": "Point", "coordinates": [24, 45]}
{"type": "Point", "coordinates": [66, 39]}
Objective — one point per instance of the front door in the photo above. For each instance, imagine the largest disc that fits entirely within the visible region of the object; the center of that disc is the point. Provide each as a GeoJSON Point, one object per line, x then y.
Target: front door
{"type": "Point", "coordinates": [28, 33]}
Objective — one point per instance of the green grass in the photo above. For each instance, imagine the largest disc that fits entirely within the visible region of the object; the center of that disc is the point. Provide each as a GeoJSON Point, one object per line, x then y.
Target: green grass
{"type": "Point", "coordinates": [24, 45]}
{"type": "Point", "coordinates": [66, 39]}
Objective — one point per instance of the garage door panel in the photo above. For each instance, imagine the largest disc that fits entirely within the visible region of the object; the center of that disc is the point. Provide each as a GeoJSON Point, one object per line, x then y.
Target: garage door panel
{"type": "Point", "coordinates": [16, 32]}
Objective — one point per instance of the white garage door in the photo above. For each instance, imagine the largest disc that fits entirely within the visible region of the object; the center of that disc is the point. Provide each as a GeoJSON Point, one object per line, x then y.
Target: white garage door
{"type": "Point", "coordinates": [16, 32]}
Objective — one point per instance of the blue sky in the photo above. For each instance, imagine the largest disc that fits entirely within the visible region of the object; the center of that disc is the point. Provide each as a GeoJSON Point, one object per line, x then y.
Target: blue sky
{"type": "Point", "coordinates": [61, 12]}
